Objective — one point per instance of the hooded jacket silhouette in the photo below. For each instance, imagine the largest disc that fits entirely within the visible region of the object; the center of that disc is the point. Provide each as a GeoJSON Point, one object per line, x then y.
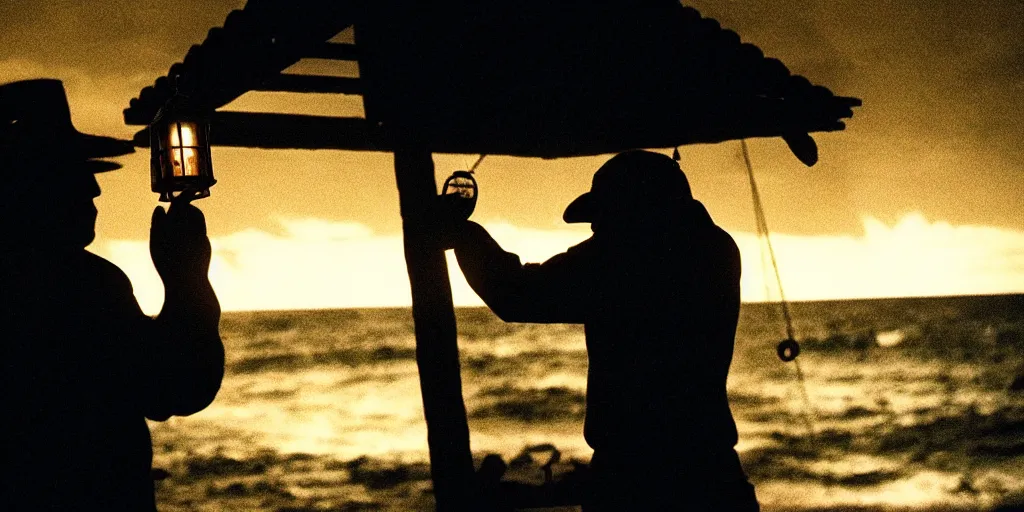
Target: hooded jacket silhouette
{"type": "Point", "coordinates": [657, 290]}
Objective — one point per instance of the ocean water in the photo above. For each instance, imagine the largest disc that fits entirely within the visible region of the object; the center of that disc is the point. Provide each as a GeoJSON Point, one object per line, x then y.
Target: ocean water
{"type": "Point", "coordinates": [911, 404]}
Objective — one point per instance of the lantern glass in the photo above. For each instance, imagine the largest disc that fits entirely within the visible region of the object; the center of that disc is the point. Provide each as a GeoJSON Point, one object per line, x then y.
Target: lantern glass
{"type": "Point", "coordinates": [183, 133]}
{"type": "Point", "coordinates": [184, 149]}
{"type": "Point", "coordinates": [180, 157]}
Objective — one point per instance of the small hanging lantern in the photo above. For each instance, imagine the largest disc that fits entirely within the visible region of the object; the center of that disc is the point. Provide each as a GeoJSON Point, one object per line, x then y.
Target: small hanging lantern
{"type": "Point", "coordinates": [461, 191]}
{"type": "Point", "coordinates": [180, 153]}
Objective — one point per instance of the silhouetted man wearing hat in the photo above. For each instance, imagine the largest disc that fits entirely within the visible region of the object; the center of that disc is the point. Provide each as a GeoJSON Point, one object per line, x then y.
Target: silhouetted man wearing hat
{"type": "Point", "coordinates": [657, 289]}
{"type": "Point", "coordinates": [82, 365]}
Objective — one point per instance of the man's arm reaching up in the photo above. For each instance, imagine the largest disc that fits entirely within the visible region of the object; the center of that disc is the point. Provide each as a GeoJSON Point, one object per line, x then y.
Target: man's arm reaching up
{"type": "Point", "coordinates": [186, 355]}
{"type": "Point", "coordinates": [556, 291]}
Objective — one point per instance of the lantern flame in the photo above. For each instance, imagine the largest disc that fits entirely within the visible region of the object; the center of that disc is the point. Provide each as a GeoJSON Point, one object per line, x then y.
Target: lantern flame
{"type": "Point", "coordinates": [184, 154]}
{"type": "Point", "coordinates": [187, 135]}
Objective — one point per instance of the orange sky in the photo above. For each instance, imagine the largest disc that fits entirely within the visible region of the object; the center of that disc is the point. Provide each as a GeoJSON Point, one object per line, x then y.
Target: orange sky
{"type": "Point", "coordinates": [920, 196]}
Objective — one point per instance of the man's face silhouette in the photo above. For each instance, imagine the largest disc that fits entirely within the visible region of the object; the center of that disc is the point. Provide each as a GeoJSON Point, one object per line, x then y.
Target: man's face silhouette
{"type": "Point", "coordinates": [78, 209]}
{"type": "Point", "coordinates": [52, 206]}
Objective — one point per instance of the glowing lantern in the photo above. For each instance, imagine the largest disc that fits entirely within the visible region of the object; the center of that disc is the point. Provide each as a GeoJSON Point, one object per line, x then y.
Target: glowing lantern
{"type": "Point", "coordinates": [180, 154]}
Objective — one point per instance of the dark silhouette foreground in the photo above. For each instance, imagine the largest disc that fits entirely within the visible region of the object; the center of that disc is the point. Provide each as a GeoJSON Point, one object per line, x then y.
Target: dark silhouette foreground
{"type": "Point", "coordinates": [82, 365]}
{"type": "Point", "coordinates": [530, 78]}
{"type": "Point", "coordinates": [657, 289]}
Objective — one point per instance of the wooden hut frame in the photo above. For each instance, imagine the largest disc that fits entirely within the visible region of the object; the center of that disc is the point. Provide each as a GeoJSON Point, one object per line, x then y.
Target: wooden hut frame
{"type": "Point", "coordinates": [531, 78]}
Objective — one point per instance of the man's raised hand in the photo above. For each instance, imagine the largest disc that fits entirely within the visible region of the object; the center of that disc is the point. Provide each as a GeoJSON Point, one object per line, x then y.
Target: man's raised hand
{"type": "Point", "coordinates": [179, 246]}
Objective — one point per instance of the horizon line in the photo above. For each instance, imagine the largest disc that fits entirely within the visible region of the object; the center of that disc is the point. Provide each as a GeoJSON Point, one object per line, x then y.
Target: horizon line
{"type": "Point", "coordinates": [752, 303]}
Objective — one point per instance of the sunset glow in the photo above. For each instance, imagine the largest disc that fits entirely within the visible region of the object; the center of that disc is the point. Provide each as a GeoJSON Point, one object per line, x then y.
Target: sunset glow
{"type": "Point", "coordinates": [315, 263]}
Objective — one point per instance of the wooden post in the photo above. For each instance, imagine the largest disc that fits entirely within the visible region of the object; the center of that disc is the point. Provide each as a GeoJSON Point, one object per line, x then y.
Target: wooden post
{"type": "Point", "coordinates": [437, 351]}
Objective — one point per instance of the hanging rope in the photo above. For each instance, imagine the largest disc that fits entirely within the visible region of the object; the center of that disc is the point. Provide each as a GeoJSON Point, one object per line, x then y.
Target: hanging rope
{"type": "Point", "coordinates": [477, 163]}
{"type": "Point", "coordinates": [789, 346]}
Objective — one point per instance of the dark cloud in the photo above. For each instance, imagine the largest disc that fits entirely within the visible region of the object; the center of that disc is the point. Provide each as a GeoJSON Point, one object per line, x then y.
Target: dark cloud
{"type": "Point", "coordinates": [122, 36]}
{"type": "Point", "coordinates": [940, 130]}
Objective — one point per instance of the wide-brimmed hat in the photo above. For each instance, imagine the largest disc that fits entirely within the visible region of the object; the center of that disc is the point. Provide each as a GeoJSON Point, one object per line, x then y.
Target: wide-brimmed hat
{"type": "Point", "coordinates": [35, 119]}
{"type": "Point", "coordinates": [639, 182]}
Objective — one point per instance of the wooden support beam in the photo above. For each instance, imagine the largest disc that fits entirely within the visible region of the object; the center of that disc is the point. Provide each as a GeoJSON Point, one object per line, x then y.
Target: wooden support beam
{"type": "Point", "coordinates": [334, 51]}
{"type": "Point", "coordinates": [288, 131]}
{"type": "Point", "coordinates": [311, 83]}
{"type": "Point", "coordinates": [437, 351]}
{"type": "Point", "coordinates": [517, 134]}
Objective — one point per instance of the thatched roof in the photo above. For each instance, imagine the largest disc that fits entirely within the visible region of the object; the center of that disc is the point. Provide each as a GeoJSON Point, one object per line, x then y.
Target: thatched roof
{"type": "Point", "coordinates": [527, 78]}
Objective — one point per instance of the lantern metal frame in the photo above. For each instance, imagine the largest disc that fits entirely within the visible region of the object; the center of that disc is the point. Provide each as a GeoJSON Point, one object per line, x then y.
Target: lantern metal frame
{"type": "Point", "coordinates": [171, 120]}
{"type": "Point", "coordinates": [463, 185]}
